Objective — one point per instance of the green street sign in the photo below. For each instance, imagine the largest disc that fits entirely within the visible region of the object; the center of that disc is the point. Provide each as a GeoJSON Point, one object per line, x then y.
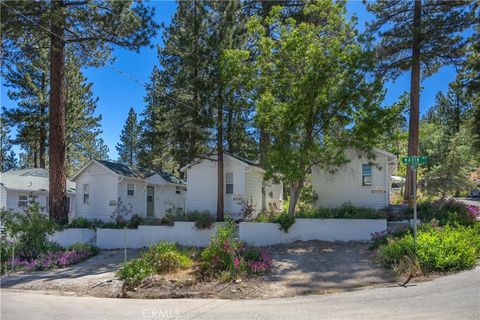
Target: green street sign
{"type": "Point", "coordinates": [415, 160]}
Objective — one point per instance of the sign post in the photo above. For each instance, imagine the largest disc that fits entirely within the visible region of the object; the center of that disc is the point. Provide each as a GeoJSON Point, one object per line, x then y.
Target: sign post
{"type": "Point", "coordinates": [414, 162]}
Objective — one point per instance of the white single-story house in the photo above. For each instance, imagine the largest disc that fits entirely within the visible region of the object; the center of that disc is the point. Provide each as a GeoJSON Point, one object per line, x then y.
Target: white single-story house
{"type": "Point", "coordinates": [243, 183]}
{"type": "Point", "coordinates": [363, 181]}
{"type": "Point", "coordinates": [102, 186]}
{"type": "Point", "coordinates": [17, 185]}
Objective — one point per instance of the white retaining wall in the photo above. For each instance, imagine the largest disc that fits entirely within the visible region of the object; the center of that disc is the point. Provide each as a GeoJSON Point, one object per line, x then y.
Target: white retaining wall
{"type": "Point", "coordinates": [262, 234]}
{"type": "Point", "coordinates": [183, 233]}
{"type": "Point", "coordinates": [68, 237]}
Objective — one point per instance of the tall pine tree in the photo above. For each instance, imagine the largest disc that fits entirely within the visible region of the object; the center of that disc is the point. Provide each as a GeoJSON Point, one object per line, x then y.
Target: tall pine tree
{"type": "Point", "coordinates": [88, 29]}
{"type": "Point", "coordinates": [418, 36]}
{"type": "Point", "coordinates": [129, 146]}
{"type": "Point", "coordinates": [8, 159]}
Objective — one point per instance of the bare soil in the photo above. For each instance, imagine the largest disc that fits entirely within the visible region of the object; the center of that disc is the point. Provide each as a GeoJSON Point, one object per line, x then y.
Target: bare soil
{"type": "Point", "coordinates": [313, 267]}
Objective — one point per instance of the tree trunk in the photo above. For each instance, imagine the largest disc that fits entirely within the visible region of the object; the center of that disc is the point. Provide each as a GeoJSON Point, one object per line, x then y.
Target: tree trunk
{"type": "Point", "coordinates": [56, 138]}
{"type": "Point", "coordinates": [413, 126]}
{"type": "Point", "coordinates": [220, 206]}
{"type": "Point", "coordinates": [295, 189]}
{"type": "Point", "coordinates": [42, 139]}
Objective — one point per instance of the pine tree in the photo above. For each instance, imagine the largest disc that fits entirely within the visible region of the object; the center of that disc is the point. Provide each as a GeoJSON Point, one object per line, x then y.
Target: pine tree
{"type": "Point", "coordinates": [28, 83]}
{"type": "Point", "coordinates": [8, 159]}
{"type": "Point", "coordinates": [129, 146]}
{"type": "Point", "coordinates": [83, 126]}
{"type": "Point", "coordinates": [88, 29]}
{"type": "Point", "coordinates": [420, 36]}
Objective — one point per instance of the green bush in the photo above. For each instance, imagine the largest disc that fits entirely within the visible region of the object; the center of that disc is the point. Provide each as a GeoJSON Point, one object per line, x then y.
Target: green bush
{"type": "Point", "coordinates": [438, 249]}
{"type": "Point", "coordinates": [220, 253]}
{"type": "Point", "coordinates": [30, 229]}
{"type": "Point", "coordinates": [134, 271]}
{"type": "Point", "coordinates": [80, 222]}
{"type": "Point", "coordinates": [346, 211]}
{"type": "Point", "coordinates": [202, 219]}
{"type": "Point", "coordinates": [161, 258]}
{"type": "Point", "coordinates": [445, 211]}
{"type": "Point", "coordinates": [93, 250]}
{"type": "Point", "coordinates": [285, 221]}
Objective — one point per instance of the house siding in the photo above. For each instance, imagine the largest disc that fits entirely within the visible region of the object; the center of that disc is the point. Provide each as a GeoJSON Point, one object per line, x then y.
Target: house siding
{"type": "Point", "coordinates": [202, 187]}
{"type": "Point", "coordinates": [253, 189]}
{"type": "Point", "coordinates": [345, 185]}
{"type": "Point", "coordinates": [3, 197]}
{"type": "Point", "coordinates": [103, 189]}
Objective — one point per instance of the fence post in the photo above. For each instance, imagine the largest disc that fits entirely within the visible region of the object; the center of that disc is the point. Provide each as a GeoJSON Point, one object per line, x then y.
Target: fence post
{"type": "Point", "coordinates": [125, 243]}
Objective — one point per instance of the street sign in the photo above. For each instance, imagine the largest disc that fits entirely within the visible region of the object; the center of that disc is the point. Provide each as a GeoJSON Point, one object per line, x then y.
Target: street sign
{"type": "Point", "coordinates": [415, 160]}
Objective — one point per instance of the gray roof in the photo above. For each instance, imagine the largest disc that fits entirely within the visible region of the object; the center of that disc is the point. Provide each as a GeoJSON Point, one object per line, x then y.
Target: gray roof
{"type": "Point", "coordinates": [28, 180]}
{"type": "Point", "coordinates": [139, 172]}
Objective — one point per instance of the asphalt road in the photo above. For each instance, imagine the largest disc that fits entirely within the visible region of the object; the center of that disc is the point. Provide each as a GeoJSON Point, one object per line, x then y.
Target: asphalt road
{"type": "Point", "coordinates": [471, 201]}
{"type": "Point", "coordinates": [452, 297]}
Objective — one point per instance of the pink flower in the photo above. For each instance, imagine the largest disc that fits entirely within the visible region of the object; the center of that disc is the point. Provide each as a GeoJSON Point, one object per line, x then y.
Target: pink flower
{"type": "Point", "coordinates": [236, 262]}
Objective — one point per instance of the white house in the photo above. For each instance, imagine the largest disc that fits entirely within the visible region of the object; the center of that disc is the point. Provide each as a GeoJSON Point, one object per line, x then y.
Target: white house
{"type": "Point", "coordinates": [243, 183]}
{"type": "Point", "coordinates": [17, 185]}
{"type": "Point", "coordinates": [101, 184]}
{"type": "Point", "coordinates": [363, 181]}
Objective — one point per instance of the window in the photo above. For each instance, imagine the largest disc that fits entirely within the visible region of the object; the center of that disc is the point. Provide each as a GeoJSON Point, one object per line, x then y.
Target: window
{"type": "Point", "coordinates": [178, 190]}
{"type": "Point", "coordinates": [366, 175]}
{"type": "Point", "coordinates": [130, 189]}
{"type": "Point", "coordinates": [86, 193]}
{"type": "Point", "coordinates": [22, 201]}
{"type": "Point", "coordinates": [229, 183]}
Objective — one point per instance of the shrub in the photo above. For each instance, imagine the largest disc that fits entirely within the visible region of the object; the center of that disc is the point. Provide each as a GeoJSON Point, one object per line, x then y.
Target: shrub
{"type": "Point", "coordinates": [438, 249]}
{"type": "Point", "coordinates": [448, 249]}
{"type": "Point", "coordinates": [381, 238]}
{"type": "Point", "coordinates": [202, 219]}
{"type": "Point", "coordinates": [228, 255]}
{"type": "Point", "coordinates": [346, 211]}
{"type": "Point", "coordinates": [285, 221]}
{"type": "Point", "coordinates": [161, 258]}
{"type": "Point", "coordinates": [135, 221]}
{"type": "Point", "coordinates": [30, 229]}
{"type": "Point", "coordinates": [134, 271]}
{"type": "Point", "coordinates": [80, 222]}
{"type": "Point", "coordinates": [447, 212]}
{"type": "Point", "coordinates": [165, 257]}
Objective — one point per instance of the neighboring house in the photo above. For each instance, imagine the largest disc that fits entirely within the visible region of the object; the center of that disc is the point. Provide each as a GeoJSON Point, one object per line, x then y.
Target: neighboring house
{"type": "Point", "coordinates": [243, 183]}
{"type": "Point", "coordinates": [362, 181]}
{"type": "Point", "coordinates": [17, 185]}
{"type": "Point", "coordinates": [101, 184]}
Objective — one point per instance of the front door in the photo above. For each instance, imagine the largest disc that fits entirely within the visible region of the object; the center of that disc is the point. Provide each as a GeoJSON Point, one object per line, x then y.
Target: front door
{"type": "Point", "coordinates": [150, 201]}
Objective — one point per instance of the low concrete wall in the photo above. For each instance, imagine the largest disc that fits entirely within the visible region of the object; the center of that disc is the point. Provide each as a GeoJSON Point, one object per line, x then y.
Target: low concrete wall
{"type": "Point", "coordinates": [261, 234]}
{"type": "Point", "coordinates": [67, 237]}
{"type": "Point", "coordinates": [183, 233]}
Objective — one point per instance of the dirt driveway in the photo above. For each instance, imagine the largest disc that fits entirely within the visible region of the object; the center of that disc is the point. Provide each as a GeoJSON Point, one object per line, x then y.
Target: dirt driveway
{"type": "Point", "coordinates": [94, 277]}
{"type": "Point", "coordinates": [312, 267]}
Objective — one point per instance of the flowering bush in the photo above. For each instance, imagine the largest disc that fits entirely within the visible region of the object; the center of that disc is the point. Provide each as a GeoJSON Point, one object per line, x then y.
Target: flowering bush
{"type": "Point", "coordinates": [52, 259]}
{"type": "Point", "coordinates": [228, 254]}
{"type": "Point", "coordinates": [448, 211]}
{"type": "Point", "coordinates": [381, 238]}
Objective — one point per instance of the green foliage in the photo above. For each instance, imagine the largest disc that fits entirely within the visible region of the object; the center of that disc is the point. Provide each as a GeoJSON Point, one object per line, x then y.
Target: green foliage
{"type": "Point", "coordinates": [30, 229]}
{"type": "Point", "coordinates": [134, 271]}
{"type": "Point", "coordinates": [345, 211]}
{"type": "Point", "coordinates": [440, 43]}
{"type": "Point", "coordinates": [93, 250]}
{"type": "Point", "coordinates": [8, 160]}
{"type": "Point", "coordinates": [129, 146]}
{"type": "Point", "coordinates": [312, 112]}
{"type": "Point", "coordinates": [220, 253]}
{"type": "Point", "coordinates": [445, 212]}
{"type": "Point", "coordinates": [285, 221]}
{"type": "Point", "coordinates": [438, 249]}
{"type": "Point", "coordinates": [202, 219]}
{"type": "Point", "coordinates": [158, 259]}
{"type": "Point", "coordinates": [80, 222]}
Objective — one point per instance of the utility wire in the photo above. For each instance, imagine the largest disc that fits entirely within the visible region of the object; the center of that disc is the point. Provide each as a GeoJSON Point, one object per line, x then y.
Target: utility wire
{"type": "Point", "coordinates": [123, 73]}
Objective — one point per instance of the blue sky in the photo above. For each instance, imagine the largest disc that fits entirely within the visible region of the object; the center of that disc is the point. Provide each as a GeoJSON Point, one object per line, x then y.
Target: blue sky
{"type": "Point", "coordinates": [117, 93]}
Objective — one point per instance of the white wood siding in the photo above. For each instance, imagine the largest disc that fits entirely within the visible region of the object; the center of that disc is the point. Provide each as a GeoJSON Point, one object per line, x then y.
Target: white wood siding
{"type": "Point", "coordinates": [253, 189]}
{"type": "Point", "coordinates": [345, 185]}
{"type": "Point", "coordinates": [3, 197]}
{"type": "Point", "coordinates": [202, 187]}
{"type": "Point", "coordinates": [103, 189]}
{"type": "Point", "coordinates": [166, 197]}
{"type": "Point", "coordinates": [138, 201]}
